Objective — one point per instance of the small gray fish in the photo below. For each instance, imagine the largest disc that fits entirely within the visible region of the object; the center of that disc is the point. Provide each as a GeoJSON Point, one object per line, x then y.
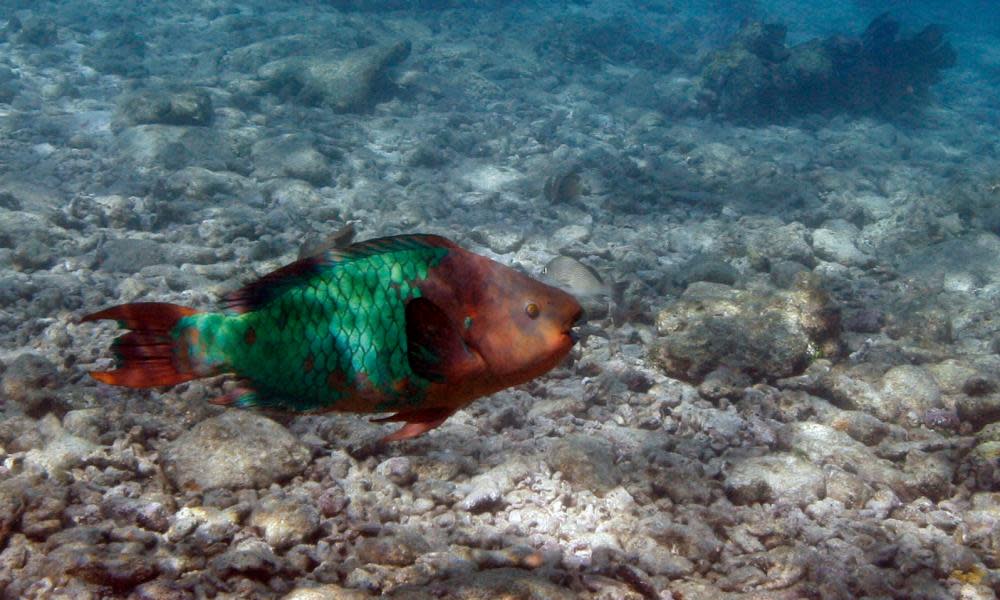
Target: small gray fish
{"type": "Point", "coordinates": [575, 277]}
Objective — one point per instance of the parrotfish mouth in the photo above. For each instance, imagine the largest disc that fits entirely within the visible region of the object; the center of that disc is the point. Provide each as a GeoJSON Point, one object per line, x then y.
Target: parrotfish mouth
{"type": "Point", "coordinates": [572, 329]}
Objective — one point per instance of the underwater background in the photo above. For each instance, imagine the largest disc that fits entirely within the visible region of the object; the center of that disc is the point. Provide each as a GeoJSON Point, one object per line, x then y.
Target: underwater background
{"type": "Point", "coordinates": [782, 219]}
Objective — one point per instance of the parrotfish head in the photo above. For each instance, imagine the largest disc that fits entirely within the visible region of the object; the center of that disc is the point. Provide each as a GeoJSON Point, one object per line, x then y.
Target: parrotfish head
{"type": "Point", "coordinates": [520, 326]}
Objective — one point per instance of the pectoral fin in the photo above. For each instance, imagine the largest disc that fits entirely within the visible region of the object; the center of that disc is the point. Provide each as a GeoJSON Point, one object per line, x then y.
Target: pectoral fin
{"type": "Point", "coordinates": [435, 348]}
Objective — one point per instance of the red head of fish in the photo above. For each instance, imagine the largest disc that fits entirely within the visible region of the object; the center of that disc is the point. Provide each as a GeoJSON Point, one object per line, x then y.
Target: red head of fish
{"type": "Point", "coordinates": [517, 327]}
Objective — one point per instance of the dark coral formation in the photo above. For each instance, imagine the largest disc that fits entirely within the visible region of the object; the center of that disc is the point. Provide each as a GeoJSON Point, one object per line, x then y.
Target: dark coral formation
{"type": "Point", "coordinates": [759, 78]}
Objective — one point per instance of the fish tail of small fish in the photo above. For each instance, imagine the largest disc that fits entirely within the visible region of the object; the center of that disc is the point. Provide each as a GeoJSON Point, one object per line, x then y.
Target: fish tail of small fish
{"type": "Point", "coordinates": [156, 349]}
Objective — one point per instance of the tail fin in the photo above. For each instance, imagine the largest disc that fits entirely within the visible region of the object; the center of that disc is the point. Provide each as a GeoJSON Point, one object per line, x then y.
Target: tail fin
{"type": "Point", "coordinates": [146, 355]}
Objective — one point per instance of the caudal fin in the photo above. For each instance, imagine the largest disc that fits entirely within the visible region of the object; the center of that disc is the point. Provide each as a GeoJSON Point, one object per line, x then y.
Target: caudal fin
{"type": "Point", "coordinates": [146, 354]}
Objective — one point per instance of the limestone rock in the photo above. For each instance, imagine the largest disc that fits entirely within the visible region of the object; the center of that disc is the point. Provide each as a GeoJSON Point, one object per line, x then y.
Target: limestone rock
{"type": "Point", "coordinates": [486, 490]}
{"type": "Point", "coordinates": [329, 591]}
{"type": "Point", "coordinates": [247, 556]}
{"type": "Point", "coordinates": [184, 107]}
{"type": "Point", "coordinates": [174, 147]}
{"type": "Point", "coordinates": [290, 156]}
{"type": "Point", "coordinates": [779, 477]}
{"type": "Point", "coordinates": [341, 83]}
{"type": "Point", "coordinates": [401, 549]}
{"type": "Point", "coordinates": [12, 505]}
{"type": "Point", "coordinates": [237, 449]}
{"type": "Point", "coordinates": [822, 444]}
{"type": "Point", "coordinates": [586, 462]}
{"type": "Point", "coordinates": [908, 389]}
{"type": "Point", "coordinates": [765, 335]}
{"type": "Point", "coordinates": [837, 245]}
{"type": "Point", "coordinates": [121, 52]}
{"type": "Point", "coordinates": [27, 382]}
{"type": "Point", "coordinates": [285, 521]}
{"type": "Point", "coordinates": [62, 450]}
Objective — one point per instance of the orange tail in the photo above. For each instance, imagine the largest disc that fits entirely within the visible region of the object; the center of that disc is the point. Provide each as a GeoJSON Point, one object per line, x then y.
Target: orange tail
{"type": "Point", "coordinates": [145, 355]}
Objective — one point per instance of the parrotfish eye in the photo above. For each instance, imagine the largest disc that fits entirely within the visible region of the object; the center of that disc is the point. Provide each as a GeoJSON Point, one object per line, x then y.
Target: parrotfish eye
{"type": "Point", "coordinates": [532, 310]}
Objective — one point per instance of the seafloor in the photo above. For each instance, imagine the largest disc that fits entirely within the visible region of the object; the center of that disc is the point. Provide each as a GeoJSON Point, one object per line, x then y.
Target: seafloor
{"type": "Point", "coordinates": [788, 391]}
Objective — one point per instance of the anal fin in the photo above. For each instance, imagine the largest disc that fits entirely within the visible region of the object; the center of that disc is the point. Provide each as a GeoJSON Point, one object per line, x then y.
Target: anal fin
{"type": "Point", "coordinates": [240, 397]}
{"type": "Point", "coordinates": [418, 422]}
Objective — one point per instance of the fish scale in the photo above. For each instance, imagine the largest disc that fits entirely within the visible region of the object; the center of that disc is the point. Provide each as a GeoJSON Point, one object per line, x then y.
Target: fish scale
{"type": "Point", "coordinates": [350, 320]}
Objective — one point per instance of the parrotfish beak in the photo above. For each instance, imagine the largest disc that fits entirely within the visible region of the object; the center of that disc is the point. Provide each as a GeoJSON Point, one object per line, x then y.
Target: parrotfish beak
{"type": "Point", "coordinates": [574, 335]}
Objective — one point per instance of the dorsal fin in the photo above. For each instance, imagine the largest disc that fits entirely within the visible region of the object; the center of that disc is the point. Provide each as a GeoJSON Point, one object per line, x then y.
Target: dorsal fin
{"type": "Point", "coordinates": [260, 292]}
{"type": "Point", "coordinates": [341, 238]}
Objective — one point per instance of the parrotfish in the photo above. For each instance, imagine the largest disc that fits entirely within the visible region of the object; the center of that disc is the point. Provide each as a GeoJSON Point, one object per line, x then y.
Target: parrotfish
{"type": "Point", "coordinates": [414, 325]}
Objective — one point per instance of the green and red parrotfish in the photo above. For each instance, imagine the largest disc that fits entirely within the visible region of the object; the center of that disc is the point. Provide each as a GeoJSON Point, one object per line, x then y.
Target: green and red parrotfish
{"type": "Point", "coordinates": [412, 324]}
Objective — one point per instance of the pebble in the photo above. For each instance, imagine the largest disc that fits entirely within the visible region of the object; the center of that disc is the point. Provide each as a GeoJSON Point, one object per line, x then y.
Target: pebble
{"type": "Point", "coordinates": [978, 411]}
{"type": "Point", "coordinates": [837, 245]}
{"type": "Point", "coordinates": [822, 444]}
{"type": "Point", "coordinates": [907, 390]}
{"type": "Point", "coordinates": [586, 462]}
{"type": "Point", "coordinates": [502, 240]}
{"type": "Point", "coordinates": [86, 423]}
{"type": "Point", "coordinates": [206, 524]}
{"type": "Point", "coordinates": [781, 242]}
{"type": "Point", "coordinates": [180, 107]}
{"type": "Point", "coordinates": [62, 450]}
{"type": "Point", "coordinates": [657, 559]}
{"type": "Point", "coordinates": [401, 549]}
{"type": "Point", "coordinates": [329, 591]}
{"type": "Point", "coordinates": [775, 477]}
{"type": "Point", "coordinates": [865, 428]}
{"type": "Point", "coordinates": [398, 470]}
{"type": "Point", "coordinates": [285, 521]}
{"type": "Point", "coordinates": [568, 236]}
{"type": "Point", "coordinates": [290, 156]}
{"type": "Point", "coordinates": [26, 382]}
{"type": "Point", "coordinates": [13, 501]}
{"type": "Point", "coordinates": [214, 453]}
{"type": "Point", "coordinates": [983, 464]}
{"type": "Point", "coordinates": [250, 556]}
{"type": "Point", "coordinates": [486, 491]}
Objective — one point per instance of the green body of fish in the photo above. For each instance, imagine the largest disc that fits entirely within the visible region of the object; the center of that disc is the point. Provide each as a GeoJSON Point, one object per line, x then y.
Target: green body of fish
{"type": "Point", "coordinates": [330, 338]}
